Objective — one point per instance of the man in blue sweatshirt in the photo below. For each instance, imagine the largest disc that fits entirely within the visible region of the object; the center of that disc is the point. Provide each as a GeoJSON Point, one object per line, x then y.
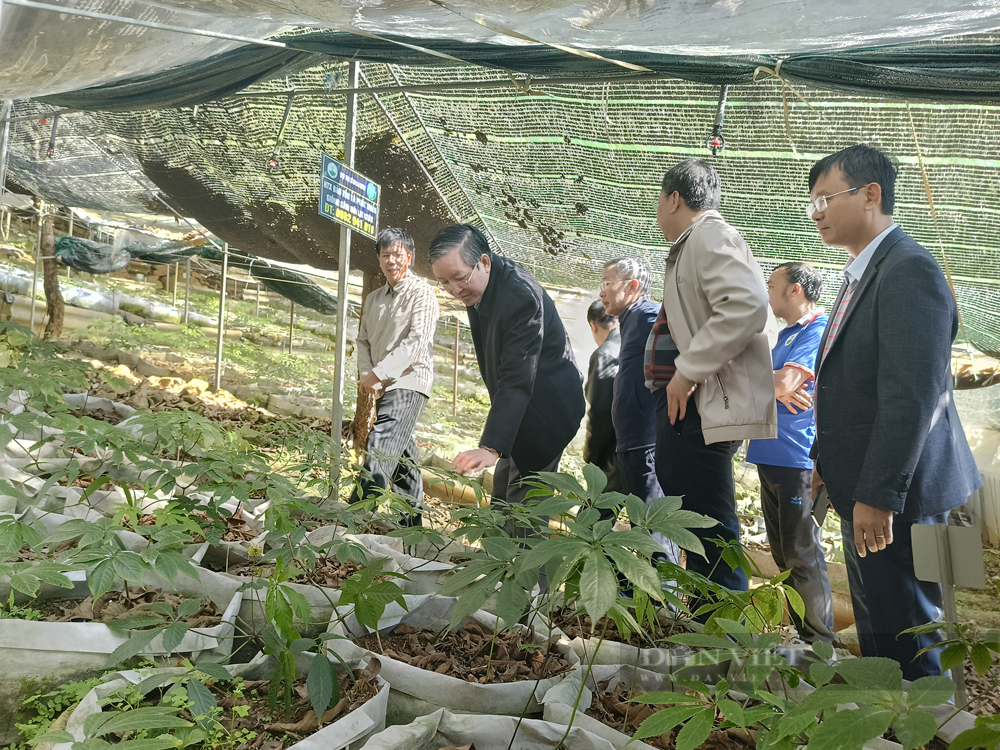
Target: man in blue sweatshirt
{"type": "Point", "coordinates": [625, 286]}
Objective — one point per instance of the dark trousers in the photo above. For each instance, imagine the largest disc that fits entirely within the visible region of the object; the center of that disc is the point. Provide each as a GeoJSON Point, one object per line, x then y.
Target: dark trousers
{"type": "Point", "coordinates": [507, 489]}
{"type": "Point", "coordinates": [637, 473]}
{"type": "Point", "coordinates": [390, 440]}
{"type": "Point", "coordinates": [702, 475]}
{"type": "Point", "coordinates": [888, 599]}
{"type": "Point", "coordinates": [786, 500]}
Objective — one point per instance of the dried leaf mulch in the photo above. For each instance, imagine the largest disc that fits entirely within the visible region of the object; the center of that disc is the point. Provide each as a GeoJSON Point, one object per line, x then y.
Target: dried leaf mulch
{"type": "Point", "coordinates": [471, 654]}
{"type": "Point", "coordinates": [575, 624]}
{"type": "Point", "coordinates": [329, 572]}
{"type": "Point", "coordinates": [117, 605]}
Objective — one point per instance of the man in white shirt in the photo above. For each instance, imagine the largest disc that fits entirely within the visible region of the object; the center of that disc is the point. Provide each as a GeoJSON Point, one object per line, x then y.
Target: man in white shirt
{"type": "Point", "coordinates": [396, 363]}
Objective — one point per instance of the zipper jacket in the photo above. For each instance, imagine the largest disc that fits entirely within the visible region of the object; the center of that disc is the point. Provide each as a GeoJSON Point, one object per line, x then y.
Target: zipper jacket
{"type": "Point", "coordinates": [717, 310]}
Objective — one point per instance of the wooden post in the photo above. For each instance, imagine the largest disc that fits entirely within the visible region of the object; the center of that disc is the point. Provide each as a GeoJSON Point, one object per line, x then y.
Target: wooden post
{"type": "Point", "coordinates": [187, 288]}
{"type": "Point", "coordinates": [55, 308]}
{"type": "Point", "coordinates": [454, 393]}
{"type": "Point", "coordinates": [222, 317]}
{"type": "Point", "coordinates": [291, 327]}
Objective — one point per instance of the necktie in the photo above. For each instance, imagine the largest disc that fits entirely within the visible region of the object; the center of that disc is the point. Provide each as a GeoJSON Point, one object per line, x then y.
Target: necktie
{"type": "Point", "coordinates": [838, 317]}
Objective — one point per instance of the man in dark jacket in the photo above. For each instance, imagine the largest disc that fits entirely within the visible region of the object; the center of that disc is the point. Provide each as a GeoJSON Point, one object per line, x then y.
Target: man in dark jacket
{"type": "Point", "coordinates": [625, 284]}
{"type": "Point", "coordinates": [525, 357]}
{"type": "Point", "coordinates": [889, 444]}
{"type": "Point", "coordinates": [601, 443]}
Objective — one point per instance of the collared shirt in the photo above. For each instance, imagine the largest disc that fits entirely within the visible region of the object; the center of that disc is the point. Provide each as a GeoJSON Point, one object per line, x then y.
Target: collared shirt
{"type": "Point", "coordinates": [797, 347]}
{"type": "Point", "coordinates": [396, 335]}
{"type": "Point", "coordinates": [634, 409]}
{"type": "Point", "coordinates": [856, 267]}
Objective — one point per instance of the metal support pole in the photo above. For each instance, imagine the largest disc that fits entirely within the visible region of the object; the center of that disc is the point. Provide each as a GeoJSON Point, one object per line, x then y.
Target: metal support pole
{"type": "Point", "coordinates": [948, 597]}
{"type": "Point", "coordinates": [222, 317]}
{"type": "Point", "coordinates": [38, 257]}
{"type": "Point", "coordinates": [166, 283]}
{"type": "Point", "coordinates": [291, 327]}
{"type": "Point", "coordinates": [177, 275]}
{"type": "Point", "coordinates": [69, 271]}
{"type": "Point", "coordinates": [187, 288]}
{"type": "Point", "coordinates": [454, 393]}
{"type": "Point", "coordinates": [343, 270]}
{"type": "Point", "coordinates": [256, 310]}
{"type": "Point", "coordinates": [5, 108]}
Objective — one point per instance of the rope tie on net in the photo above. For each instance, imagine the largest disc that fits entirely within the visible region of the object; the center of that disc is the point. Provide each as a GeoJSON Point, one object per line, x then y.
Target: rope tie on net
{"type": "Point", "coordinates": [937, 226]}
{"type": "Point", "coordinates": [775, 73]}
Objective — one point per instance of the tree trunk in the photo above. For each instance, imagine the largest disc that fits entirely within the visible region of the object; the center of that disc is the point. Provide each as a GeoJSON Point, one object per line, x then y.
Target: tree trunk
{"type": "Point", "coordinates": [364, 414]}
{"type": "Point", "coordinates": [55, 308]}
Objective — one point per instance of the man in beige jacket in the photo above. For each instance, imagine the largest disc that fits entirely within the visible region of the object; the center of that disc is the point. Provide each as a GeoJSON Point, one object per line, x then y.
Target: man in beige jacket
{"type": "Point", "coordinates": [708, 359]}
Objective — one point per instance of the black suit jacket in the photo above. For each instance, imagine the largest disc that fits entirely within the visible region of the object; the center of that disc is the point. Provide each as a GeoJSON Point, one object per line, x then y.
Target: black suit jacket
{"type": "Point", "coordinates": [525, 357]}
{"type": "Point", "coordinates": [602, 445]}
{"type": "Point", "coordinates": [888, 433]}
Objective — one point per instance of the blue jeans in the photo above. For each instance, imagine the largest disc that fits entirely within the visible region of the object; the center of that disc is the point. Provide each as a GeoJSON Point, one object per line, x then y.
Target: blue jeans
{"type": "Point", "coordinates": [702, 475]}
{"type": "Point", "coordinates": [888, 599]}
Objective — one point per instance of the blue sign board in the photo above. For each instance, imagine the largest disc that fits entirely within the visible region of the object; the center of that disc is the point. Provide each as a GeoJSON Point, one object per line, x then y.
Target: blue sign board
{"type": "Point", "coordinates": [348, 197]}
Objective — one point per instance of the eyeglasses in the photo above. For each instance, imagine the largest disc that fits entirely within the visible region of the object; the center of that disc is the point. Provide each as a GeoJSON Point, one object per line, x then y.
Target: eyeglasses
{"type": "Point", "coordinates": [819, 205]}
{"type": "Point", "coordinates": [605, 285]}
{"type": "Point", "coordinates": [451, 284]}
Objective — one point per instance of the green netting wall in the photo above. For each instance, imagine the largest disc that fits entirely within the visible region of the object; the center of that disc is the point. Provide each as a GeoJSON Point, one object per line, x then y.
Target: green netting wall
{"type": "Point", "coordinates": [562, 178]}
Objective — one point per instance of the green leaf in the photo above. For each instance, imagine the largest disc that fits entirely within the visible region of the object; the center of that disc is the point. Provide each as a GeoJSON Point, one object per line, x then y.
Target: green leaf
{"type": "Point", "coordinates": [156, 743]}
{"type": "Point", "coordinates": [795, 600]}
{"type": "Point", "coordinates": [874, 672]}
{"type": "Point", "coordinates": [821, 673]}
{"type": "Point", "coordinates": [142, 719]}
{"type": "Point", "coordinates": [980, 736]}
{"type": "Point", "coordinates": [101, 578]}
{"type": "Point", "coordinates": [138, 640]}
{"type": "Point", "coordinates": [216, 672]}
{"type": "Point", "coordinates": [596, 480]}
{"type": "Point", "coordinates": [201, 698]}
{"type": "Point", "coordinates": [665, 699]}
{"type": "Point", "coordinates": [512, 601]}
{"type": "Point", "coordinates": [298, 602]}
{"type": "Point", "coordinates": [696, 731]}
{"type": "Point", "coordinates": [953, 656]}
{"type": "Point", "coordinates": [188, 607]}
{"type": "Point", "coordinates": [663, 721]}
{"type": "Point", "coordinates": [850, 729]}
{"type": "Point", "coordinates": [823, 650]}
{"type": "Point", "coordinates": [321, 683]}
{"type": "Point", "coordinates": [129, 566]}
{"type": "Point", "coordinates": [982, 660]}
{"type": "Point", "coordinates": [639, 572]}
{"type": "Point", "coordinates": [733, 712]}
{"type": "Point", "coordinates": [56, 737]}
{"type": "Point", "coordinates": [915, 729]}
{"type": "Point", "coordinates": [173, 636]}
{"type": "Point", "coordinates": [930, 691]}
{"type": "Point", "coordinates": [598, 585]}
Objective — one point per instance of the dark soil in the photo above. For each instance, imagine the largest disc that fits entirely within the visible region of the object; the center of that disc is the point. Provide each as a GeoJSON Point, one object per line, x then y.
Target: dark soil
{"type": "Point", "coordinates": [578, 625]}
{"type": "Point", "coordinates": [471, 654]}
{"type": "Point", "coordinates": [115, 605]}
{"type": "Point", "coordinates": [612, 707]}
{"type": "Point", "coordinates": [329, 572]}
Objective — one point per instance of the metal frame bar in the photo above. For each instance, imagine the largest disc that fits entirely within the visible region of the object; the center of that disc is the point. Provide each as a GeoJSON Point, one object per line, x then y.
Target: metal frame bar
{"type": "Point", "coordinates": [222, 317]}
{"type": "Point", "coordinates": [343, 270]}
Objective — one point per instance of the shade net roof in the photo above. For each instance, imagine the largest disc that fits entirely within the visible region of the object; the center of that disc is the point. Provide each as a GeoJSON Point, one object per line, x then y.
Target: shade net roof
{"type": "Point", "coordinates": [560, 177]}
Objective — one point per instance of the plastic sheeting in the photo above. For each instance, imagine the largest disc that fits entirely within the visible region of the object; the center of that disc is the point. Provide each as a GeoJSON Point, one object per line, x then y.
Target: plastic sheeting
{"type": "Point", "coordinates": [42, 52]}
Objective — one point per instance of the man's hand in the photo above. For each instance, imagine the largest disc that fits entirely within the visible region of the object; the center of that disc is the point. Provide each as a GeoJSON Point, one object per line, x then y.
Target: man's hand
{"type": "Point", "coordinates": [370, 382]}
{"type": "Point", "coordinates": [872, 528]}
{"type": "Point", "coordinates": [474, 460]}
{"type": "Point", "coordinates": [797, 400]}
{"type": "Point", "coordinates": [679, 390]}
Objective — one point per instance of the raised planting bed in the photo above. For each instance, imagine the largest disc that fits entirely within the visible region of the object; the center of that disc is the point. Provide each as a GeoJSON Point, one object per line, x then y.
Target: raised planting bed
{"type": "Point", "coordinates": [236, 706]}
{"type": "Point", "coordinates": [469, 667]}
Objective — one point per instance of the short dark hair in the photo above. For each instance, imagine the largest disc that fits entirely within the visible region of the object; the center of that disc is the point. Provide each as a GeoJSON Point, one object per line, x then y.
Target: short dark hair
{"type": "Point", "coordinates": [597, 314]}
{"type": "Point", "coordinates": [697, 182]}
{"type": "Point", "coordinates": [861, 166]}
{"type": "Point", "coordinates": [391, 236]}
{"type": "Point", "coordinates": [471, 242]}
{"type": "Point", "coordinates": [811, 280]}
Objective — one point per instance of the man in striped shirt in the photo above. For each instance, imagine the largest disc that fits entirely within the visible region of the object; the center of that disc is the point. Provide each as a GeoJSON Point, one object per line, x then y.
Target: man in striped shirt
{"type": "Point", "coordinates": [396, 363]}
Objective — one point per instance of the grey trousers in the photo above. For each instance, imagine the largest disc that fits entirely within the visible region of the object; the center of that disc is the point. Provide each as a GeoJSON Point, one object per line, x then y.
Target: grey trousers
{"type": "Point", "coordinates": [507, 488]}
{"type": "Point", "coordinates": [786, 499]}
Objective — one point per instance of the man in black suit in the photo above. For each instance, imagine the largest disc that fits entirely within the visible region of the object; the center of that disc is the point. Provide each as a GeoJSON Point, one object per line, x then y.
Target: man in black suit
{"type": "Point", "coordinates": [602, 444]}
{"type": "Point", "coordinates": [889, 444]}
{"type": "Point", "coordinates": [525, 357]}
